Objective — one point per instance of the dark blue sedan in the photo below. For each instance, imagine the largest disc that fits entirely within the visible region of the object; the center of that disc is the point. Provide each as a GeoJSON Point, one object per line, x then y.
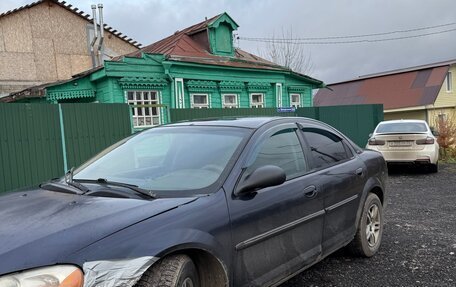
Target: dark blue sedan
{"type": "Point", "coordinates": [241, 202]}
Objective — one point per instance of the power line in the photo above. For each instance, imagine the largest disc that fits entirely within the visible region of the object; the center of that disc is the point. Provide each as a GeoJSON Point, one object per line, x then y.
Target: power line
{"type": "Point", "coordinates": [306, 42]}
{"type": "Point", "coordinates": [363, 35]}
{"type": "Point", "coordinates": [311, 40]}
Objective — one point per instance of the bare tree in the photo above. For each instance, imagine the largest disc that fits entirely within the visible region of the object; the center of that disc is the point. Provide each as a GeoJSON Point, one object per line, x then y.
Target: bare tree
{"type": "Point", "coordinates": [446, 126]}
{"type": "Point", "coordinates": [284, 51]}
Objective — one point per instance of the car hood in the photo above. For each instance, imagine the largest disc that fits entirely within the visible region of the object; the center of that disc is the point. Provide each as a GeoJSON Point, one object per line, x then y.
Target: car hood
{"type": "Point", "coordinates": [40, 227]}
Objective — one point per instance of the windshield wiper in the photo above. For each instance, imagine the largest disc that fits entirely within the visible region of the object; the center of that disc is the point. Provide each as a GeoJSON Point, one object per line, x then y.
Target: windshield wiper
{"type": "Point", "coordinates": [133, 187]}
{"type": "Point", "coordinates": [60, 187]}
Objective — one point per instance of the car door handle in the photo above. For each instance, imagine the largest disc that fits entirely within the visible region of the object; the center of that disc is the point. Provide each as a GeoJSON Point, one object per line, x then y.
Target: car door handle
{"type": "Point", "coordinates": [310, 191]}
{"type": "Point", "coordinates": [359, 171]}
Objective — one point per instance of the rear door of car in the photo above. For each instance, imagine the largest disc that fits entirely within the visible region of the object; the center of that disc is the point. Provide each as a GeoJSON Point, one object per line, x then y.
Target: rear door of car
{"type": "Point", "coordinates": [276, 230]}
{"type": "Point", "coordinates": [341, 177]}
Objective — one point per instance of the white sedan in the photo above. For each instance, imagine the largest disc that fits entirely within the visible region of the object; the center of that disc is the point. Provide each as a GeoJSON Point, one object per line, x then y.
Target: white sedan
{"type": "Point", "coordinates": [406, 141]}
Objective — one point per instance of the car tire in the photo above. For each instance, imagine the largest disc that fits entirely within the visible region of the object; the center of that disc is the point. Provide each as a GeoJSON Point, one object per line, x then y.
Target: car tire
{"type": "Point", "coordinates": [368, 235]}
{"type": "Point", "coordinates": [172, 271]}
{"type": "Point", "coordinates": [433, 168]}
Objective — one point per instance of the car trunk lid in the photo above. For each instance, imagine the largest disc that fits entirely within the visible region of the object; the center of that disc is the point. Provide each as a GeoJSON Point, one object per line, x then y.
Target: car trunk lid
{"type": "Point", "coordinates": [401, 142]}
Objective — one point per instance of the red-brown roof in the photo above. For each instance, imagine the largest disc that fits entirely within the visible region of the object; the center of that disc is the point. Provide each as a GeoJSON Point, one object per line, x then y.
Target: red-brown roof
{"type": "Point", "coordinates": [191, 45]}
{"type": "Point", "coordinates": [397, 89]}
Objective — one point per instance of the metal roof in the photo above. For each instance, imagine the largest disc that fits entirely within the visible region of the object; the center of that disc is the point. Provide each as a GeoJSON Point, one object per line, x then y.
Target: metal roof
{"type": "Point", "coordinates": [77, 12]}
{"type": "Point", "coordinates": [414, 68]}
{"type": "Point", "coordinates": [411, 87]}
{"type": "Point", "coordinates": [39, 90]}
{"type": "Point", "coordinates": [191, 45]}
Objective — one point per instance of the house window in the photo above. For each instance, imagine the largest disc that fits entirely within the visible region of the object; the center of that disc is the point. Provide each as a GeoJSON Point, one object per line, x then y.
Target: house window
{"type": "Point", "coordinates": [256, 100]}
{"type": "Point", "coordinates": [200, 101]}
{"type": "Point", "coordinates": [144, 108]}
{"type": "Point", "coordinates": [449, 83]}
{"type": "Point", "coordinates": [295, 100]}
{"type": "Point", "coordinates": [229, 101]}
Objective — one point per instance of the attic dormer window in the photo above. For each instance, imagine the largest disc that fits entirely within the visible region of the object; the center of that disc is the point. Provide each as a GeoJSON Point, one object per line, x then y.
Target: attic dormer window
{"type": "Point", "coordinates": [223, 43]}
{"type": "Point", "coordinates": [221, 35]}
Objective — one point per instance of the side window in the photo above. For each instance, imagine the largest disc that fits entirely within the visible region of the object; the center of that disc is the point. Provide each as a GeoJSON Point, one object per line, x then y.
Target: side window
{"type": "Point", "coordinates": [284, 150]}
{"type": "Point", "coordinates": [326, 147]}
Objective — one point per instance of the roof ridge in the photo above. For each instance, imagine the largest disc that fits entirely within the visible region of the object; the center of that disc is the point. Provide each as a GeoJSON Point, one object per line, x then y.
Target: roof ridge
{"type": "Point", "coordinates": [397, 71]}
{"type": "Point", "coordinates": [409, 69]}
{"type": "Point", "coordinates": [77, 12]}
{"type": "Point", "coordinates": [175, 37]}
{"type": "Point", "coordinates": [189, 30]}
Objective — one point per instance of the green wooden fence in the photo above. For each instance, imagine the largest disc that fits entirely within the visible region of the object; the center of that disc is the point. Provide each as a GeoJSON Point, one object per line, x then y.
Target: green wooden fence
{"type": "Point", "coordinates": [42, 141]}
{"type": "Point", "coordinates": [355, 121]}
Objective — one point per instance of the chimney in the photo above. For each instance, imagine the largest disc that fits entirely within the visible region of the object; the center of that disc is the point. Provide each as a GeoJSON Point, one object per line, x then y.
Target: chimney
{"type": "Point", "coordinates": [95, 37]}
{"type": "Point", "coordinates": [100, 43]}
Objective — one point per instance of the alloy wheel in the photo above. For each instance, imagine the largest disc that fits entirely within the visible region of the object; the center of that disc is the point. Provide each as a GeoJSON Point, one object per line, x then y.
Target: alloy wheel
{"type": "Point", "coordinates": [373, 225]}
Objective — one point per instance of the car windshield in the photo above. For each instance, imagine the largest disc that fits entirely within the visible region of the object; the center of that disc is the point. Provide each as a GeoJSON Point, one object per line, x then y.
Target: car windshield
{"type": "Point", "coordinates": [404, 127]}
{"type": "Point", "coordinates": [167, 158]}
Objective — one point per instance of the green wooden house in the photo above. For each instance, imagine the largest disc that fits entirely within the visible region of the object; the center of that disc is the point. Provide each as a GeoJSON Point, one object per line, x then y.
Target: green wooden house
{"type": "Point", "coordinates": [197, 67]}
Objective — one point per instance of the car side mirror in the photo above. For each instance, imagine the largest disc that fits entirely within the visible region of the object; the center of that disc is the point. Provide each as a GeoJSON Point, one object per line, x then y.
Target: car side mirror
{"type": "Point", "coordinates": [264, 176]}
{"type": "Point", "coordinates": [370, 135]}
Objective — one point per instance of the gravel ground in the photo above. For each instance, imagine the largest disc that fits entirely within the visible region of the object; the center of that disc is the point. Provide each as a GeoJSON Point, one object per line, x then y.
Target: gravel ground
{"type": "Point", "coordinates": [419, 239]}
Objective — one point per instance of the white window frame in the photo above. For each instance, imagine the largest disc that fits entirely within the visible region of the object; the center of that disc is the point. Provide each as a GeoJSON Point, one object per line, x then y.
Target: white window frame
{"type": "Point", "coordinates": [259, 104]}
{"type": "Point", "coordinates": [294, 104]}
{"type": "Point", "coordinates": [141, 121]}
{"type": "Point", "coordinates": [279, 95]}
{"type": "Point", "coordinates": [230, 105]}
{"type": "Point", "coordinates": [449, 82]}
{"type": "Point", "coordinates": [207, 105]}
{"type": "Point", "coordinates": [179, 92]}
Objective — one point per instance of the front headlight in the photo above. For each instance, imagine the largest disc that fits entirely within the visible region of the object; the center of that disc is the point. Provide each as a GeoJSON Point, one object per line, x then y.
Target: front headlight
{"type": "Point", "coordinates": [55, 276]}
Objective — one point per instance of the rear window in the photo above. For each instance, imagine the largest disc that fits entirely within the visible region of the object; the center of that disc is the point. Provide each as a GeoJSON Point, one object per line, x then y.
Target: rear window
{"type": "Point", "coordinates": [406, 127]}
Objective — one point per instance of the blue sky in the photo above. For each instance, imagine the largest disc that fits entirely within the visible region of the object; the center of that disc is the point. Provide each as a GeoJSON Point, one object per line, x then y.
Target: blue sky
{"type": "Point", "coordinates": [149, 21]}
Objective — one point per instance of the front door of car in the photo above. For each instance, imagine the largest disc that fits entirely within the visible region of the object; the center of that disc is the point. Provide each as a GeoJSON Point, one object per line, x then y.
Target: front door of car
{"type": "Point", "coordinates": [341, 178]}
{"type": "Point", "coordinates": [276, 230]}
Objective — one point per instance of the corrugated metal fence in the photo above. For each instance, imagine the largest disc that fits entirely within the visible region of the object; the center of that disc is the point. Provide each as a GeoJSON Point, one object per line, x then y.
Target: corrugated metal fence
{"type": "Point", "coordinates": [41, 141]}
{"type": "Point", "coordinates": [355, 121]}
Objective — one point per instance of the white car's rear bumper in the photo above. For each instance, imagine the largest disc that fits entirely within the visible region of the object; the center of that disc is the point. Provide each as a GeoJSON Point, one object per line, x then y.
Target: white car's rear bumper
{"type": "Point", "coordinates": [427, 155]}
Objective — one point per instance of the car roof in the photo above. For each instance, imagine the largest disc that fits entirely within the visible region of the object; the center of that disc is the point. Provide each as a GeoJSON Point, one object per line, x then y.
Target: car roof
{"type": "Point", "coordinates": [244, 122]}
